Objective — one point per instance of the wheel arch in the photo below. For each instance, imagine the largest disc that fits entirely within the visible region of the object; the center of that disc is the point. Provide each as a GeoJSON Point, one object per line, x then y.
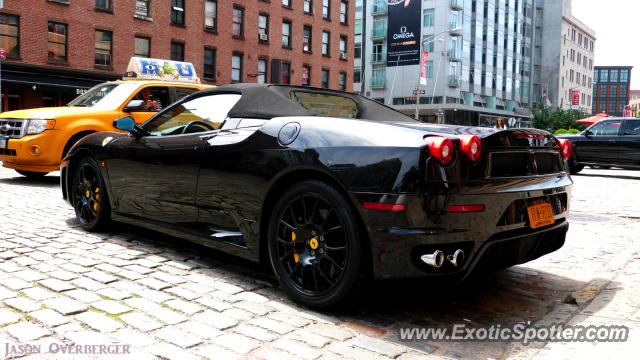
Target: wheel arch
{"type": "Point", "coordinates": [295, 176]}
{"type": "Point", "coordinates": [75, 137]}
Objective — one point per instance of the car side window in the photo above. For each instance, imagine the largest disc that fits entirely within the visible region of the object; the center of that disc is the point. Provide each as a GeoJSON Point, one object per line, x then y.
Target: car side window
{"type": "Point", "coordinates": [155, 98]}
{"type": "Point", "coordinates": [606, 128]}
{"type": "Point", "coordinates": [204, 113]}
{"type": "Point", "coordinates": [632, 127]}
{"type": "Point", "coordinates": [331, 105]}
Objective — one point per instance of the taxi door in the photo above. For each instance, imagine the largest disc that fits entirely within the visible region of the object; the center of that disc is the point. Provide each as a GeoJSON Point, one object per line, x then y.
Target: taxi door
{"type": "Point", "coordinates": [155, 99]}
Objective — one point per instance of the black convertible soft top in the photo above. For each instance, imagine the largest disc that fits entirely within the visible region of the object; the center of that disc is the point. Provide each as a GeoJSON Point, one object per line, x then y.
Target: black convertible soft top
{"type": "Point", "coordinates": [266, 101]}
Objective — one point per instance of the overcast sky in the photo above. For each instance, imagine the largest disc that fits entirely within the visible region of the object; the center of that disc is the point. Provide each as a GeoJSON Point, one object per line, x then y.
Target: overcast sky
{"type": "Point", "coordinates": [616, 24]}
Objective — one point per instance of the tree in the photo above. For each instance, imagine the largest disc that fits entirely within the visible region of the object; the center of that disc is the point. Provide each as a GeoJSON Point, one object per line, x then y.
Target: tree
{"type": "Point", "coordinates": [553, 119]}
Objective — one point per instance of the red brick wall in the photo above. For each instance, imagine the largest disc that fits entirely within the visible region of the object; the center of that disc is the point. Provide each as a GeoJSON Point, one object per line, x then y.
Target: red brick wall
{"type": "Point", "coordinates": [83, 19]}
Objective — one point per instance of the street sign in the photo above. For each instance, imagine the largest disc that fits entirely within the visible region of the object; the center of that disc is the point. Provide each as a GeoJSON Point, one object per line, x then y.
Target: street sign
{"type": "Point", "coordinates": [423, 67]}
{"type": "Point", "coordinates": [3, 53]}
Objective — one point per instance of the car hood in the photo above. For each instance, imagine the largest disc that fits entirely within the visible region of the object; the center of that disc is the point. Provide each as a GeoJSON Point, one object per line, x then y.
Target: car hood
{"type": "Point", "coordinates": [49, 113]}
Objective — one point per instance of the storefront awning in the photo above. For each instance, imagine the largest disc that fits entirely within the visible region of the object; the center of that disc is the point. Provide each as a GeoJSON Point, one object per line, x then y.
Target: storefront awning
{"type": "Point", "coordinates": [30, 79]}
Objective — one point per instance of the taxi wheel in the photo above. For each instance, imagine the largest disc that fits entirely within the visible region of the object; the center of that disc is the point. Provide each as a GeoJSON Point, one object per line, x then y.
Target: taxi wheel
{"type": "Point", "coordinates": [32, 174]}
{"type": "Point", "coordinates": [315, 246]}
{"type": "Point", "coordinates": [89, 196]}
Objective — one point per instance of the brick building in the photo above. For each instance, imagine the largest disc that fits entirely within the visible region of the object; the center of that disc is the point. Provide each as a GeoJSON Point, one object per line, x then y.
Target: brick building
{"type": "Point", "coordinates": [611, 91]}
{"type": "Point", "coordinates": [58, 48]}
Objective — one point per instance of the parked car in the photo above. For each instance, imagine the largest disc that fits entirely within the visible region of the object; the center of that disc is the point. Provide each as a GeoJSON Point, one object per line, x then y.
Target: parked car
{"type": "Point", "coordinates": [328, 187]}
{"type": "Point", "coordinates": [607, 143]}
{"type": "Point", "coordinates": [34, 141]}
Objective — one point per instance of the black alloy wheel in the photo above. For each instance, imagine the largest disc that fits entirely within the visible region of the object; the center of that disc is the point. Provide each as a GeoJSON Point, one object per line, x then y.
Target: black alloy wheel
{"type": "Point", "coordinates": [315, 246]}
{"type": "Point", "coordinates": [89, 196]}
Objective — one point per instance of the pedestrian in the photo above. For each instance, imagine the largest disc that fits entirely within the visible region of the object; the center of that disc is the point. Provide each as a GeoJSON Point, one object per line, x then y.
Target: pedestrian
{"type": "Point", "coordinates": [500, 124]}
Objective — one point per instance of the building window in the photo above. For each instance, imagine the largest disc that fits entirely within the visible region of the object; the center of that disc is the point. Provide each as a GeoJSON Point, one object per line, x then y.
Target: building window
{"type": "Point", "coordinates": [326, 43]}
{"type": "Point", "coordinates": [357, 51]}
{"type": "Point", "coordinates": [209, 71]}
{"type": "Point", "coordinates": [10, 34]}
{"type": "Point", "coordinates": [429, 69]}
{"type": "Point", "coordinates": [308, 6]}
{"type": "Point", "coordinates": [325, 78]}
{"type": "Point", "coordinates": [177, 51]}
{"type": "Point", "coordinates": [358, 26]}
{"type": "Point", "coordinates": [306, 75]}
{"type": "Point", "coordinates": [142, 46]}
{"type": "Point", "coordinates": [177, 12]}
{"type": "Point", "coordinates": [286, 34]}
{"type": "Point", "coordinates": [285, 73]}
{"type": "Point", "coordinates": [236, 67]}
{"type": "Point", "coordinates": [343, 47]}
{"type": "Point", "coordinates": [604, 75]}
{"type": "Point", "coordinates": [307, 35]}
{"type": "Point", "coordinates": [211, 15]}
{"type": "Point", "coordinates": [104, 47]}
{"type": "Point", "coordinates": [429, 18]}
{"type": "Point", "coordinates": [326, 9]}
{"type": "Point", "coordinates": [344, 12]}
{"type": "Point", "coordinates": [104, 5]}
{"type": "Point", "coordinates": [624, 76]}
{"type": "Point", "coordinates": [238, 21]}
{"type": "Point", "coordinates": [342, 81]}
{"type": "Point", "coordinates": [613, 76]}
{"type": "Point", "coordinates": [286, 3]}
{"type": "Point", "coordinates": [262, 71]}
{"type": "Point", "coordinates": [143, 8]}
{"type": "Point", "coordinates": [263, 27]}
{"type": "Point", "coordinates": [57, 42]}
{"type": "Point", "coordinates": [357, 75]}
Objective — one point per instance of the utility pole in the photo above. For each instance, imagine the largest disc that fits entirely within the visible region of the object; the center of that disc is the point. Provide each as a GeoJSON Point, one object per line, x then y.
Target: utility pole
{"type": "Point", "coordinates": [363, 56]}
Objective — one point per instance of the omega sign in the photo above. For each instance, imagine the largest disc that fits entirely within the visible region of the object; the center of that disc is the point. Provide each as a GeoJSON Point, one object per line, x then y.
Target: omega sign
{"type": "Point", "coordinates": [403, 32]}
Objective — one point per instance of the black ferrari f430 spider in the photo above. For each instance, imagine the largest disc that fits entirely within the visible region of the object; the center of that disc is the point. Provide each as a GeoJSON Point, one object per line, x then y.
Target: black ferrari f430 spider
{"type": "Point", "coordinates": [327, 187]}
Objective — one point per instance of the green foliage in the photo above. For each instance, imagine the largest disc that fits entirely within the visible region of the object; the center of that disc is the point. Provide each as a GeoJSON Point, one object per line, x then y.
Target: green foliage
{"type": "Point", "coordinates": [555, 119]}
{"type": "Point", "coordinates": [566, 131]}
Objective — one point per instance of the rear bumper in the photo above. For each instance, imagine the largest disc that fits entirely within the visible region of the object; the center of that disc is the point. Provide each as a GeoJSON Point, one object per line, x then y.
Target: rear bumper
{"type": "Point", "coordinates": [500, 235]}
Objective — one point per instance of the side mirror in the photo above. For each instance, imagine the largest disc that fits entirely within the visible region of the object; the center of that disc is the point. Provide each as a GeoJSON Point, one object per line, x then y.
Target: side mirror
{"type": "Point", "coordinates": [588, 133]}
{"type": "Point", "coordinates": [135, 105]}
{"type": "Point", "coordinates": [125, 123]}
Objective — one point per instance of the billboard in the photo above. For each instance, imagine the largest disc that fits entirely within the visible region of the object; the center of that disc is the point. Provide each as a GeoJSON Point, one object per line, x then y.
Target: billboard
{"type": "Point", "coordinates": [403, 32]}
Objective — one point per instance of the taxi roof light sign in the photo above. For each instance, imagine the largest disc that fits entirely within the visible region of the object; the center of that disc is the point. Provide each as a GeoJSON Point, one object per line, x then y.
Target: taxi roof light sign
{"type": "Point", "coordinates": [158, 69]}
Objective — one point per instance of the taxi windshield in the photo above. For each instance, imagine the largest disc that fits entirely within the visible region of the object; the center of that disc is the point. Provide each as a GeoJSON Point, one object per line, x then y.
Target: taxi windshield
{"type": "Point", "coordinates": [108, 96]}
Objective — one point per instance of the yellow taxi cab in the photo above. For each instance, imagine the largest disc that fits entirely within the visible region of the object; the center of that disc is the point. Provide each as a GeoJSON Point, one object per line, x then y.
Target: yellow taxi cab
{"type": "Point", "coordinates": [34, 141]}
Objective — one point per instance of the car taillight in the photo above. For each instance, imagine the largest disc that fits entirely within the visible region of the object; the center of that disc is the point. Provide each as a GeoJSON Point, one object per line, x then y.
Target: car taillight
{"type": "Point", "coordinates": [441, 148]}
{"type": "Point", "coordinates": [471, 146]}
{"type": "Point", "coordinates": [565, 148]}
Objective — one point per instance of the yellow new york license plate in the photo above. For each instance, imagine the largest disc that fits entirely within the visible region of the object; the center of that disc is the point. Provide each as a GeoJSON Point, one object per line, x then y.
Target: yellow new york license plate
{"type": "Point", "coordinates": [540, 214]}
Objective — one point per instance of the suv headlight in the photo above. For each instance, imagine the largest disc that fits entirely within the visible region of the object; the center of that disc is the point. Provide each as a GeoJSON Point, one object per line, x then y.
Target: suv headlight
{"type": "Point", "coordinates": [36, 126]}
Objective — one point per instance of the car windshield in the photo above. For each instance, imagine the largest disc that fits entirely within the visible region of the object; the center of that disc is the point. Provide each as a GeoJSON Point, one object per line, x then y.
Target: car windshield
{"type": "Point", "coordinates": [108, 96]}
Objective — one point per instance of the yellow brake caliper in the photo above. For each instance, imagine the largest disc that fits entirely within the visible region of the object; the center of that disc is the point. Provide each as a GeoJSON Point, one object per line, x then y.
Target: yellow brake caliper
{"type": "Point", "coordinates": [296, 256]}
{"type": "Point", "coordinates": [96, 205]}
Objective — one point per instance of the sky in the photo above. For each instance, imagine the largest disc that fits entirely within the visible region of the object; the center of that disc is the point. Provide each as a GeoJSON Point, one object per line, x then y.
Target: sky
{"type": "Point", "coordinates": [616, 25]}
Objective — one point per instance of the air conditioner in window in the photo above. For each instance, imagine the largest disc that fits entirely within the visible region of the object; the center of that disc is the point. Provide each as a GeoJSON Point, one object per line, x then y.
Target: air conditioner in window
{"type": "Point", "coordinates": [343, 55]}
{"type": "Point", "coordinates": [264, 37]}
{"type": "Point", "coordinates": [305, 47]}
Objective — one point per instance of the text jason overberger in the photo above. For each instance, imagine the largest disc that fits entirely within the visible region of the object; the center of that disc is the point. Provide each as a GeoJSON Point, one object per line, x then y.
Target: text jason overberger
{"type": "Point", "coordinates": [57, 348]}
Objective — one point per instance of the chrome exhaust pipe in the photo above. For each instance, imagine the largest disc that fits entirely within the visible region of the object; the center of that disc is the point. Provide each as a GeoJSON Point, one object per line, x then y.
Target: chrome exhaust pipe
{"type": "Point", "coordinates": [435, 260]}
{"type": "Point", "coordinates": [457, 258]}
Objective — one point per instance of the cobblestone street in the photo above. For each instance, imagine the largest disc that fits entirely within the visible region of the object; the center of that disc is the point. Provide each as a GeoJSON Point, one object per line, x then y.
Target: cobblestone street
{"type": "Point", "coordinates": [167, 298]}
